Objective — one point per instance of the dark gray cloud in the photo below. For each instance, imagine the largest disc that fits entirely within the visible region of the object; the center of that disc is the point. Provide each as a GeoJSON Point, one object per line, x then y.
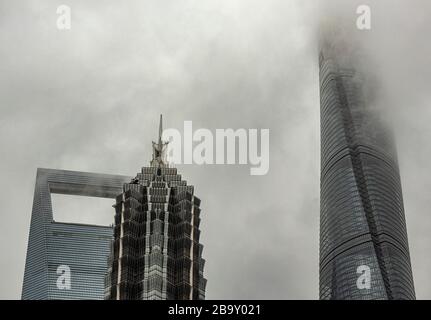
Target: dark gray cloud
{"type": "Point", "coordinates": [88, 99]}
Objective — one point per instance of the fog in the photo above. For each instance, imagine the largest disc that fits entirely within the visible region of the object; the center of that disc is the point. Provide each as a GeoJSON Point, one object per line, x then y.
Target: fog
{"type": "Point", "coordinates": [88, 99]}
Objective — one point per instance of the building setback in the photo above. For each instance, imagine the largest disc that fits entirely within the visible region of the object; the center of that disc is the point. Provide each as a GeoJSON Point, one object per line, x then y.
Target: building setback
{"type": "Point", "coordinates": [362, 222]}
{"type": "Point", "coordinates": [156, 253]}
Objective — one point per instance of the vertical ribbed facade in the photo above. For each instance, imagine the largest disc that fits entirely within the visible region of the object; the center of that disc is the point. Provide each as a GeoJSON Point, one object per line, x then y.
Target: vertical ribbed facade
{"type": "Point", "coordinates": [362, 220]}
{"type": "Point", "coordinates": [156, 253]}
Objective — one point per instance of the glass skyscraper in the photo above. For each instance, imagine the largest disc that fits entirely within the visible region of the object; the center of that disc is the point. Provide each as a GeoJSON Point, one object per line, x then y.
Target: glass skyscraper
{"type": "Point", "coordinates": [156, 253]}
{"type": "Point", "coordinates": [362, 223]}
{"type": "Point", "coordinates": [67, 260]}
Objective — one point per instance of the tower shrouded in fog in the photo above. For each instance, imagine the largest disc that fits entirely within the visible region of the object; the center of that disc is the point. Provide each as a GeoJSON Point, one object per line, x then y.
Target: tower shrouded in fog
{"type": "Point", "coordinates": [156, 253]}
{"type": "Point", "coordinates": [364, 252]}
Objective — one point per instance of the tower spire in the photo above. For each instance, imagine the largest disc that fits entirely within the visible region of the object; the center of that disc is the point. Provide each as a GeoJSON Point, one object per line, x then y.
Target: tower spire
{"type": "Point", "coordinates": [159, 148]}
{"type": "Point", "coordinates": [160, 130]}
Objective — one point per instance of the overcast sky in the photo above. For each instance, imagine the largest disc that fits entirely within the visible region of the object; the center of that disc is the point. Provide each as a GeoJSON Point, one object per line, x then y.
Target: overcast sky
{"type": "Point", "coordinates": [88, 99]}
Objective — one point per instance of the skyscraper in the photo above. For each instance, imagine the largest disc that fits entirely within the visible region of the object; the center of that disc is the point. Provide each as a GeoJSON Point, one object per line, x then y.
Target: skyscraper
{"type": "Point", "coordinates": [156, 252]}
{"type": "Point", "coordinates": [364, 252]}
{"type": "Point", "coordinates": [67, 260]}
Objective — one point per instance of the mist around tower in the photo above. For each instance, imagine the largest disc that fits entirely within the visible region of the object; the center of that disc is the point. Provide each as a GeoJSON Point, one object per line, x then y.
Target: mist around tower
{"type": "Point", "coordinates": [215, 158]}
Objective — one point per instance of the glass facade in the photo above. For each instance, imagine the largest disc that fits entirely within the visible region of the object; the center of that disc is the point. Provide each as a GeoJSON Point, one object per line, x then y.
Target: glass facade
{"type": "Point", "coordinates": [67, 260]}
{"type": "Point", "coordinates": [156, 253]}
{"type": "Point", "coordinates": [362, 216]}
{"type": "Point", "coordinates": [83, 250]}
